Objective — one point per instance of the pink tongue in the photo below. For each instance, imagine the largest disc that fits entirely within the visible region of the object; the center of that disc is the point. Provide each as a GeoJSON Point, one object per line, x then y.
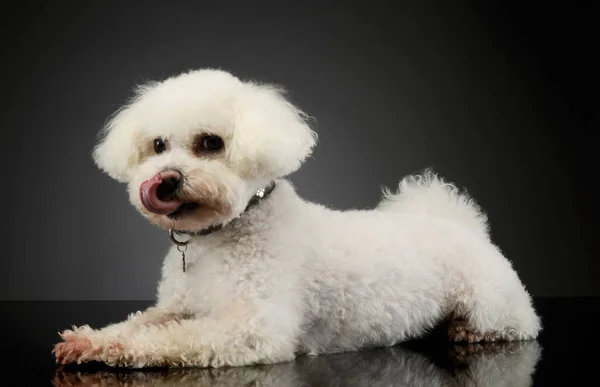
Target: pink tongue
{"type": "Point", "coordinates": [151, 201]}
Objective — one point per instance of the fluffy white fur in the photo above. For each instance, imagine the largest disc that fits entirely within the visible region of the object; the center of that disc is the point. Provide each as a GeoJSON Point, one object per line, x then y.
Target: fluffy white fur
{"type": "Point", "coordinates": [290, 276]}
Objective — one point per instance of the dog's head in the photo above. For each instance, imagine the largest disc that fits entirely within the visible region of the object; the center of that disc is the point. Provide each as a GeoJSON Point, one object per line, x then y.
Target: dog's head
{"type": "Point", "coordinates": [194, 148]}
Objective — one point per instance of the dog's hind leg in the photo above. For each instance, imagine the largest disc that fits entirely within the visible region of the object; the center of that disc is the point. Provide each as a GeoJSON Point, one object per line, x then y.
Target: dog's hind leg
{"type": "Point", "coordinates": [479, 320]}
{"type": "Point", "coordinates": [493, 304]}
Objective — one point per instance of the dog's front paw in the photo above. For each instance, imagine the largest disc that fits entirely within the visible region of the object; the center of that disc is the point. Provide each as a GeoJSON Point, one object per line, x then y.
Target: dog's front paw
{"type": "Point", "coordinates": [79, 345]}
{"type": "Point", "coordinates": [83, 344]}
{"type": "Point", "coordinates": [76, 346]}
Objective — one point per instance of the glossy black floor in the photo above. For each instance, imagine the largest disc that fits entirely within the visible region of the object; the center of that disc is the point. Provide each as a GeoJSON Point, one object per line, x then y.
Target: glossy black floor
{"type": "Point", "coordinates": [564, 355]}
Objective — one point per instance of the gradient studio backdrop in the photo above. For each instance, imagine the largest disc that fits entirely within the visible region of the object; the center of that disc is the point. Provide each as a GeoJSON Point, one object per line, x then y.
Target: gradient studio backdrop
{"type": "Point", "coordinates": [494, 97]}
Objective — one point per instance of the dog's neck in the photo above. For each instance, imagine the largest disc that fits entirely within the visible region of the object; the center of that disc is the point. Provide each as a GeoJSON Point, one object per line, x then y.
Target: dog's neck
{"type": "Point", "coordinates": [258, 197]}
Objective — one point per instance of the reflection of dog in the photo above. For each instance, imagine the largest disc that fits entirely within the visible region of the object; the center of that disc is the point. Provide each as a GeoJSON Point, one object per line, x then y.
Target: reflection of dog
{"type": "Point", "coordinates": [268, 275]}
{"type": "Point", "coordinates": [494, 364]}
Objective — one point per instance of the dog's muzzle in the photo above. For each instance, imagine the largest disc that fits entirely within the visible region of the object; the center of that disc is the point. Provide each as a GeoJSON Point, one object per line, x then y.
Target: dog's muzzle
{"type": "Point", "coordinates": [158, 194]}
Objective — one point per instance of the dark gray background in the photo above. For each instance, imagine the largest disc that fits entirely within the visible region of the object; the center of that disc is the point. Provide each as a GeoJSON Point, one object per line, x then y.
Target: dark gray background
{"type": "Point", "coordinates": [496, 98]}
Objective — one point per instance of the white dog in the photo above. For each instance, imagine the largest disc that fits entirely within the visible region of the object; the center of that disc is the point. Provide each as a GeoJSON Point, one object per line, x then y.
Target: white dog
{"type": "Point", "coordinates": [266, 275]}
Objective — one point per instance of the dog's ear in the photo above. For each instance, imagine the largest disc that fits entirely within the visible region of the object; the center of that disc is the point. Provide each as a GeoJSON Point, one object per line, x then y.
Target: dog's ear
{"type": "Point", "coordinates": [116, 151]}
{"type": "Point", "coordinates": [272, 136]}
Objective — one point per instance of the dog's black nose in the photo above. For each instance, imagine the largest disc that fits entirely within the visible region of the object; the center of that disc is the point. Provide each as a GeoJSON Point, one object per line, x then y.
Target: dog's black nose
{"type": "Point", "coordinates": [170, 183]}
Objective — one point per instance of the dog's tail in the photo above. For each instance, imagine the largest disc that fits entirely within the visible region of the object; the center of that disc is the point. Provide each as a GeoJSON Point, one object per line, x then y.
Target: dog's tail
{"type": "Point", "coordinates": [427, 193]}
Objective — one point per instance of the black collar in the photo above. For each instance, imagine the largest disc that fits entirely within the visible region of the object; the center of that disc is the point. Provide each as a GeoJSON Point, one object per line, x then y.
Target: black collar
{"type": "Point", "coordinates": [260, 195]}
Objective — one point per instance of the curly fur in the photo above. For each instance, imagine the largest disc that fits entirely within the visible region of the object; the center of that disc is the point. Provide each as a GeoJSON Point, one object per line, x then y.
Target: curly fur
{"type": "Point", "coordinates": [290, 276]}
{"type": "Point", "coordinates": [428, 193]}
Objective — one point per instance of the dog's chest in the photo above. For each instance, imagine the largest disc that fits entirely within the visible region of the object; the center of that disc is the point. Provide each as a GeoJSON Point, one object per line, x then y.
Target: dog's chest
{"type": "Point", "coordinates": [219, 275]}
{"type": "Point", "coordinates": [207, 281]}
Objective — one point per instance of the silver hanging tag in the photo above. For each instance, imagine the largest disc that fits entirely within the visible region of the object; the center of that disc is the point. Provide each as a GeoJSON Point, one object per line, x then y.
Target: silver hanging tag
{"type": "Point", "coordinates": [182, 250]}
{"type": "Point", "coordinates": [181, 247]}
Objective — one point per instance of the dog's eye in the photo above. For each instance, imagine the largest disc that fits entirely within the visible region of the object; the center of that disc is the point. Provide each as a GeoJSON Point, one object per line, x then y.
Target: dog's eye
{"type": "Point", "coordinates": [212, 143]}
{"type": "Point", "coordinates": [159, 145]}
